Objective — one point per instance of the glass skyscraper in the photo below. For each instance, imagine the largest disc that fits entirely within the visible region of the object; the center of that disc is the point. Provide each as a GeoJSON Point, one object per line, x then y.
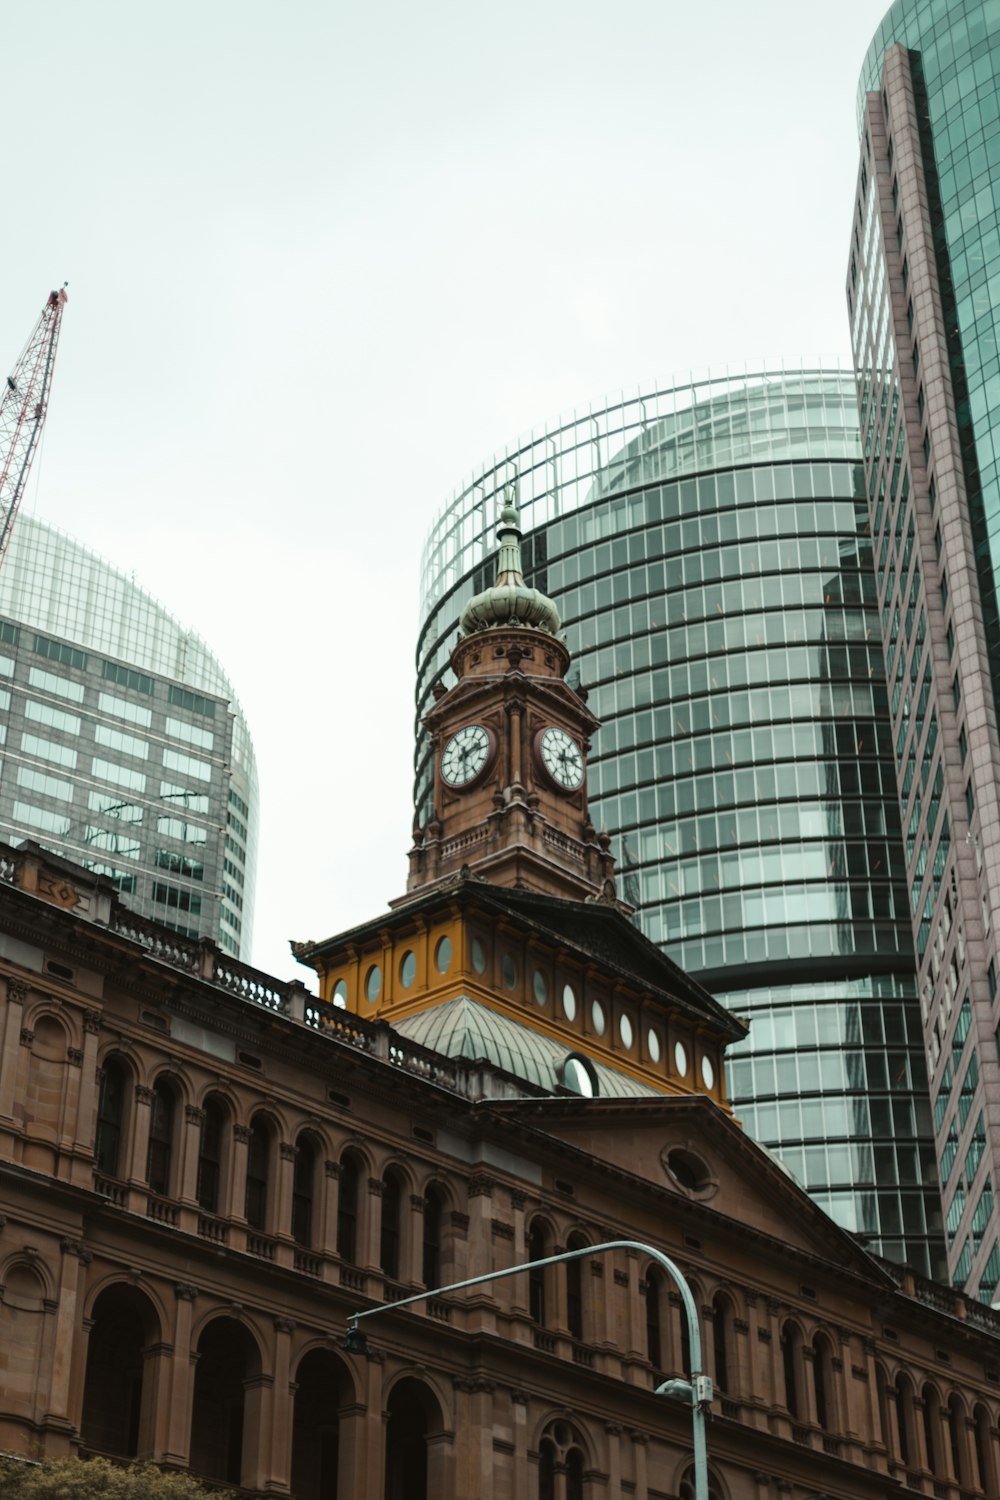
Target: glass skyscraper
{"type": "Point", "coordinates": [122, 744]}
{"type": "Point", "coordinates": [923, 292]}
{"type": "Point", "coordinates": [707, 548]}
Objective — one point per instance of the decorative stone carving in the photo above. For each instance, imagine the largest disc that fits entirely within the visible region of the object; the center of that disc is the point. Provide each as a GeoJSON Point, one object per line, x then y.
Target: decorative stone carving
{"type": "Point", "coordinates": [481, 1186]}
{"type": "Point", "coordinates": [17, 991]}
{"type": "Point", "coordinates": [74, 1056]}
{"type": "Point", "coordinates": [185, 1292]}
{"type": "Point", "coordinates": [193, 1114]}
{"type": "Point", "coordinates": [27, 1036]}
{"type": "Point", "coordinates": [375, 1186]}
{"type": "Point", "coordinates": [143, 1095]}
{"type": "Point", "coordinates": [287, 1151]}
{"type": "Point", "coordinates": [332, 1168]}
{"type": "Point", "coordinates": [92, 1021]}
{"type": "Point", "coordinates": [242, 1133]}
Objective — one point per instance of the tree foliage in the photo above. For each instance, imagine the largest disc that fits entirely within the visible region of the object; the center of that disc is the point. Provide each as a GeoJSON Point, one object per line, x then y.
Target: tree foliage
{"type": "Point", "coordinates": [95, 1479]}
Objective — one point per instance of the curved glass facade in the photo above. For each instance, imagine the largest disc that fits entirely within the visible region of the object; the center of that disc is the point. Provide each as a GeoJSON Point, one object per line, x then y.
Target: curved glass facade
{"type": "Point", "coordinates": [707, 548]}
{"type": "Point", "coordinates": [126, 746]}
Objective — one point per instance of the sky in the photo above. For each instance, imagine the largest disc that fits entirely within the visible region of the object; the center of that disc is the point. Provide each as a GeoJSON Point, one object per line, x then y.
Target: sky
{"type": "Point", "coordinates": [324, 259]}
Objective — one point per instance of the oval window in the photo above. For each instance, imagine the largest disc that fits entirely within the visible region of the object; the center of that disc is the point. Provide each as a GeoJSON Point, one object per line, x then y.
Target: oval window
{"type": "Point", "coordinates": [478, 956]}
{"type": "Point", "coordinates": [408, 969]}
{"type": "Point", "coordinates": [625, 1031]}
{"type": "Point", "coordinates": [540, 988]}
{"type": "Point", "coordinates": [578, 1077]}
{"type": "Point", "coordinates": [707, 1073]}
{"type": "Point", "coordinates": [569, 1002]}
{"type": "Point", "coordinates": [340, 995]}
{"type": "Point", "coordinates": [680, 1058]}
{"type": "Point", "coordinates": [509, 969]}
{"type": "Point", "coordinates": [442, 955]}
{"type": "Point", "coordinates": [653, 1045]}
{"type": "Point", "coordinates": [373, 984]}
{"type": "Point", "coordinates": [597, 1017]}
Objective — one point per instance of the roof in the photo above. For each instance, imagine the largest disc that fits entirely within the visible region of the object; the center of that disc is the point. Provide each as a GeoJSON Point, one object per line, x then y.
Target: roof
{"type": "Point", "coordinates": [468, 1029]}
{"type": "Point", "coordinates": [594, 932]}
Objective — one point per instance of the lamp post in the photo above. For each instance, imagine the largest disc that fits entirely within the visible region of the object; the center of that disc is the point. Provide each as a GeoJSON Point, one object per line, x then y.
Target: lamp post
{"type": "Point", "coordinates": [697, 1390]}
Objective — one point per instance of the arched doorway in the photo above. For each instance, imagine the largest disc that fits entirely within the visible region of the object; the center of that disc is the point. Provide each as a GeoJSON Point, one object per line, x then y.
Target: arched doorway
{"type": "Point", "coordinates": [322, 1387]}
{"type": "Point", "coordinates": [414, 1419]}
{"type": "Point", "coordinates": [227, 1359]}
{"type": "Point", "coordinates": [118, 1399]}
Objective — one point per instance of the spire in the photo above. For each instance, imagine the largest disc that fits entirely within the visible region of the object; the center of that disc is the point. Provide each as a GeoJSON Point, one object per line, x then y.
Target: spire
{"type": "Point", "coordinates": [510, 601]}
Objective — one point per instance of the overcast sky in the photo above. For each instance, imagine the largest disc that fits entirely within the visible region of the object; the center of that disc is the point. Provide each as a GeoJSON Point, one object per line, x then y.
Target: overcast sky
{"type": "Point", "coordinates": [324, 259]}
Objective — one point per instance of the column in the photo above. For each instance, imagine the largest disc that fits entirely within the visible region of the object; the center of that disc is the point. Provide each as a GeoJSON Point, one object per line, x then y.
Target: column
{"type": "Point", "coordinates": [258, 1406]}
{"type": "Point", "coordinates": [614, 1434]}
{"type": "Point", "coordinates": [411, 1266]}
{"type": "Point", "coordinates": [639, 1441]}
{"type": "Point", "coordinates": [173, 1417]}
{"type": "Point", "coordinates": [474, 1460]}
{"type": "Point", "coordinates": [277, 1473]}
{"type": "Point", "coordinates": [64, 1336]}
{"type": "Point", "coordinates": [190, 1144]}
{"type": "Point", "coordinates": [370, 1225]}
{"type": "Point", "coordinates": [520, 1478]}
{"type": "Point", "coordinates": [281, 1217]}
{"type": "Point", "coordinates": [327, 1227]}
{"type": "Point", "coordinates": [480, 1257]}
{"type": "Point", "coordinates": [517, 1286]}
{"type": "Point", "coordinates": [86, 1115]}
{"type": "Point", "coordinates": [237, 1195]}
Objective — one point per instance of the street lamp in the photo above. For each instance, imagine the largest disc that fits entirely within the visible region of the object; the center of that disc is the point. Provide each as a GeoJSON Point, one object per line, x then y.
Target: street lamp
{"type": "Point", "coordinates": [697, 1390]}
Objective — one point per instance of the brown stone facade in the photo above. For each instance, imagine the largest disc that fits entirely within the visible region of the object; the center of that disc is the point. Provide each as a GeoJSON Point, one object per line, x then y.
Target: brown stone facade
{"type": "Point", "coordinates": [199, 1188]}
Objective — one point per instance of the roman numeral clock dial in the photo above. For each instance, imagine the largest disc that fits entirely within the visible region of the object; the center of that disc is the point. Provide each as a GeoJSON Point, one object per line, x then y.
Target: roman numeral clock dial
{"type": "Point", "coordinates": [468, 756]}
{"type": "Point", "coordinates": [561, 758]}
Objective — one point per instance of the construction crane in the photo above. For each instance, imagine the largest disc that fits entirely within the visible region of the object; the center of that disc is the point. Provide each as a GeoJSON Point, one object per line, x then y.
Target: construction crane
{"type": "Point", "coordinates": [24, 401]}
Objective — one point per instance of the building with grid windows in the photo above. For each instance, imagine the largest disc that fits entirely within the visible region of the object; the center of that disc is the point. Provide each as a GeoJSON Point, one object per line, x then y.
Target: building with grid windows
{"type": "Point", "coordinates": [923, 291]}
{"type": "Point", "coordinates": [122, 744]}
{"type": "Point", "coordinates": [707, 549]}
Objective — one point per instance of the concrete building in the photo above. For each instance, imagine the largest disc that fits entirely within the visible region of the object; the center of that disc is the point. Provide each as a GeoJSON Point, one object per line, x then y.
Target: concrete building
{"type": "Point", "coordinates": [706, 546]}
{"type": "Point", "coordinates": [924, 304]}
{"type": "Point", "coordinates": [123, 744]}
{"type": "Point", "coordinates": [207, 1172]}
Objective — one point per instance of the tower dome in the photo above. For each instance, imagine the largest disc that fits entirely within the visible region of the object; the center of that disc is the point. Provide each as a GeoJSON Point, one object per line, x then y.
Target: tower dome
{"type": "Point", "coordinates": [509, 601]}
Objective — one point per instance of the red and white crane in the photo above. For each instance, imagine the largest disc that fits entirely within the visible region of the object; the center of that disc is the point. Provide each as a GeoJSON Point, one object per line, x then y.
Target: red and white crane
{"type": "Point", "coordinates": [24, 401]}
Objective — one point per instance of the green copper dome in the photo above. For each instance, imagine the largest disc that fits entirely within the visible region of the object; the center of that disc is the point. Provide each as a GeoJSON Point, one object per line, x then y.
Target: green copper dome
{"type": "Point", "coordinates": [509, 601]}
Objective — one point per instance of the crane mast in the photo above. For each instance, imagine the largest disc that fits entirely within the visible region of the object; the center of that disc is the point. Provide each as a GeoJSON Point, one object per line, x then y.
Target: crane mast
{"type": "Point", "coordinates": [24, 402]}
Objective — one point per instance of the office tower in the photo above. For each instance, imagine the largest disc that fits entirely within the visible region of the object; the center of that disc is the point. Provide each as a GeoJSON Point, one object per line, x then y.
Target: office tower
{"type": "Point", "coordinates": [706, 547]}
{"type": "Point", "coordinates": [124, 746]}
{"type": "Point", "coordinates": [924, 303]}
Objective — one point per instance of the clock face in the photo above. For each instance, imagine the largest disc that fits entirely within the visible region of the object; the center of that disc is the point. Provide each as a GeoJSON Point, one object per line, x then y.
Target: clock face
{"type": "Point", "coordinates": [467, 755]}
{"type": "Point", "coordinates": [562, 758]}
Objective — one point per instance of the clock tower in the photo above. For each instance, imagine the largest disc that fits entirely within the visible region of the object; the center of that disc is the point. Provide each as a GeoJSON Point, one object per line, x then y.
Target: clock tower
{"type": "Point", "coordinates": [510, 742]}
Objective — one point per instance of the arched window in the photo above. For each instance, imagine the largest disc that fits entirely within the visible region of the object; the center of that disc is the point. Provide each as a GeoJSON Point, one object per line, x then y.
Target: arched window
{"type": "Point", "coordinates": [111, 1117]}
{"type": "Point", "coordinates": [392, 1221]}
{"type": "Point", "coordinates": [303, 1189]}
{"type": "Point", "coordinates": [258, 1172]}
{"type": "Point", "coordinates": [955, 1416]}
{"type": "Point", "coordinates": [655, 1286]}
{"type": "Point", "coordinates": [117, 1401]}
{"type": "Point", "coordinates": [721, 1323]}
{"type": "Point", "coordinates": [213, 1132]}
{"type": "Point", "coordinates": [228, 1361]}
{"type": "Point", "coordinates": [822, 1366]}
{"type": "Point", "coordinates": [905, 1420]}
{"type": "Point", "coordinates": [414, 1419]}
{"type": "Point", "coordinates": [574, 1288]}
{"type": "Point", "coordinates": [982, 1444]}
{"type": "Point", "coordinates": [347, 1208]}
{"type": "Point", "coordinates": [791, 1347]}
{"type": "Point", "coordinates": [574, 1474]}
{"type": "Point", "coordinates": [22, 1329]}
{"type": "Point", "coordinates": [161, 1137]}
{"type": "Point", "coordinates": [433, 1220]}
{"type": "Point", "coordinates": [322, 1387]}
{"type": "Point", "coordinates": [932, 1430]}
{"type": "Point", "coordinates": [537, 1250]}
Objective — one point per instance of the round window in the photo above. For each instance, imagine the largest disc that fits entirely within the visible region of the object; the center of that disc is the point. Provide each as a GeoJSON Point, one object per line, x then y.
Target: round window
{"type": "Point", "coordinates": [478, 956]}
{"type": "Point", "coordinates": [340, 994]}
{"type": "Point", "coordinates": [625, 1031]}
{"type": "Point", "coordinates": [597, 1017]}
{"type": "Point", "coordinates": [680, 1058]}
{"type": "Point", "coordinates": [442, 955]}
{"type": "Point", "coordinates": [540, 988]}
{"type": "Point", "coordinates": [509, 969]}
{"type": "Point", "coordinates": [653, 1046]}
{"type": "Point", "coordinates": [577, 1076]}
{"type": "Point", "coordinates": [373, 984]}
{"type": "Point", "coordinates": [408, 969]}
{"type": "Point", "coordinates": [707, 1073]}
{"type": "Point", "coordinates": [569, 1002]}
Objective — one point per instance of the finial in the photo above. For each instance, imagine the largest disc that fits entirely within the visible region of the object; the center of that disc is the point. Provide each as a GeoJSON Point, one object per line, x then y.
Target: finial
{"type": "Point", "coordinates": [509, 601]}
